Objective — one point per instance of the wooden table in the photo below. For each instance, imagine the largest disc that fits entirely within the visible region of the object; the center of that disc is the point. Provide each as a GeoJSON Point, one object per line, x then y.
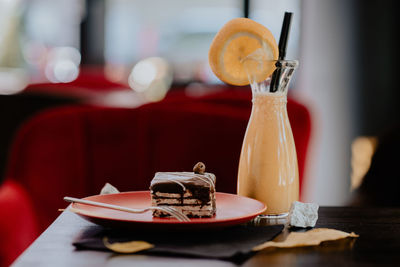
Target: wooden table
{"type": "Point", "coordinates": [378, 244]}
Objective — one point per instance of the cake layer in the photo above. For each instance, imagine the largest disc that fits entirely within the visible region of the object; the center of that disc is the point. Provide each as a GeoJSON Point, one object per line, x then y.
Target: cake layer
{"type": "Point", "coordinates": [187, 194]}
{"type": "Point", "coordinates": [192, 208]}
{"type": "Point", "coordinates": [194, 211]}
{"type": "Point", "coordinates": [176, 201]}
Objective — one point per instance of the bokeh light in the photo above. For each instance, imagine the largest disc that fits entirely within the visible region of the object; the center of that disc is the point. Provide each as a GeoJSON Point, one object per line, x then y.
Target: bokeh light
{"type": "Point", "coordinates": [62, 64]}
{"type": "Point", "coordinates": [142, 75]}
{"type": "Point", "coordinates": [152, 77]}
{"type": "Point", "coordinates": [12, 80]}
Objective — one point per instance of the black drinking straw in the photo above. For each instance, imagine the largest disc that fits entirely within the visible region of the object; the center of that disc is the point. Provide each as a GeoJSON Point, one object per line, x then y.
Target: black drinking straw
{"type": "Point", "coordinates": [282, 48]}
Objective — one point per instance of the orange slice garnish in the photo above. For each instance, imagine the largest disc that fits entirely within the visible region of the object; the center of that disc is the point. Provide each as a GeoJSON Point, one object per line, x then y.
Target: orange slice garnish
{"type": "Point", "coordinates": [235, 52]}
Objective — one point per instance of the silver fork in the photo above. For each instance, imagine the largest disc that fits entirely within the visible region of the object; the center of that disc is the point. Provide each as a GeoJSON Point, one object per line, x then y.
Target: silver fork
{"type": "Point", "coordinates": [171, 211]}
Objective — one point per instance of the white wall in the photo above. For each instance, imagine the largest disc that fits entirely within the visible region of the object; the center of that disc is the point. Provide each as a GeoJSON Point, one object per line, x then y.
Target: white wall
{"type": "Point", "coordinates": [325, 82]}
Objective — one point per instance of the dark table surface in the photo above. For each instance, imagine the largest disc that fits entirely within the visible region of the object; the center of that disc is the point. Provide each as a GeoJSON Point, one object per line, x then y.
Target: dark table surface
{"type": "Point", "coordinates": [378, 244]}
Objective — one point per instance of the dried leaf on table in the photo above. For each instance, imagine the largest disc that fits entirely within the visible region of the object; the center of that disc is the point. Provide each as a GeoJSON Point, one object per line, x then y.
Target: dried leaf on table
{"type": "Point", "coordinates": [313, 237]}
{"type": "Point", "coordinates": [127, 247]}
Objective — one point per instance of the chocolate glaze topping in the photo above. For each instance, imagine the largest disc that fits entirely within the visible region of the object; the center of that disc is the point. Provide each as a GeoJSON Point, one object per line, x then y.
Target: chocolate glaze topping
{"type": "Point", "coordinates": [183, 179]}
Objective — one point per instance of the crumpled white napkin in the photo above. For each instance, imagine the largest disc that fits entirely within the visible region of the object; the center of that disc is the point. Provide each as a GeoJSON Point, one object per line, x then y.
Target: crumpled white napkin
{"type": "Point", "coordinates": [303, 214]}
{"type": "Point", "coordinates": [108, 189]}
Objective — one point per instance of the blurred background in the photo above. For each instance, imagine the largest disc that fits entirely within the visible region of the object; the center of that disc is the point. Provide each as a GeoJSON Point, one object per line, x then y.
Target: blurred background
{"type": "Point", "coordinates": [348, 59]}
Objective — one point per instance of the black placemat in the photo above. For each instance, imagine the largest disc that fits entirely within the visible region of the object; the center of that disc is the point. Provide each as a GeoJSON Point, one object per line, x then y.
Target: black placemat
{"type": "Point", "coordinates": [233, 243]}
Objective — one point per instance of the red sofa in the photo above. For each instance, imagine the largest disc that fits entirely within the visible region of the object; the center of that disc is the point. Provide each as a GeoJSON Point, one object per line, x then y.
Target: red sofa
{"type": "Point", "coordinates": [18, 223]}
{"type": "Point", "coordinates": [75, 150]}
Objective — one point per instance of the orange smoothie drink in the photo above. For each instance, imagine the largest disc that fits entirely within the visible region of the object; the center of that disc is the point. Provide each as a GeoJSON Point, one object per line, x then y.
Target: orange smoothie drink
{"type": "Point", "coordinates": [245, 52]}
{"type": "Point", "coordinates": [268, 163]}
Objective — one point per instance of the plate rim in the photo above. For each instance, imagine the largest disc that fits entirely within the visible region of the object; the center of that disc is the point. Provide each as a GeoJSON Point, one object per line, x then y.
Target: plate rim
{"type": "Point", "coordinates": [193, 221]}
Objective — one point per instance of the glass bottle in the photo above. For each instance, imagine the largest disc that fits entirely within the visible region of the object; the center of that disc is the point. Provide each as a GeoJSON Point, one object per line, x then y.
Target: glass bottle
{"type": "Point", "coordinates": [268, 169]}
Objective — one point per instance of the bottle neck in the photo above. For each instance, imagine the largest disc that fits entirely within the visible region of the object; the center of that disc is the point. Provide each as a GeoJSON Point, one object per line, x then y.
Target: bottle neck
{"type": "Point", "coordinates": [278, 98]}
{"type": "Point", "coordinates": [268, 104]}
{"type": "Point", "coordinates": [278, 82]}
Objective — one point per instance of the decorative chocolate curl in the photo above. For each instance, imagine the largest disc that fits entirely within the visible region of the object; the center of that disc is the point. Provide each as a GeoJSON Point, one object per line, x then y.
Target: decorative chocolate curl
{"type": "Point", "coordinates": [199, 168]}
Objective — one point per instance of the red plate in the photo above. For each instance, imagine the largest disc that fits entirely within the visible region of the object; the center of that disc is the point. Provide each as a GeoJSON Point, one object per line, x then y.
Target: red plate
{"type": "Point", "coordinates": [231, 210]}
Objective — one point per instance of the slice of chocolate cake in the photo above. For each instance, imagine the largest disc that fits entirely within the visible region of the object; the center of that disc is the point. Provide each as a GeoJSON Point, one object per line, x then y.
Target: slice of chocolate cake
{"type": "Point", "coordinates": [193, 193]}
